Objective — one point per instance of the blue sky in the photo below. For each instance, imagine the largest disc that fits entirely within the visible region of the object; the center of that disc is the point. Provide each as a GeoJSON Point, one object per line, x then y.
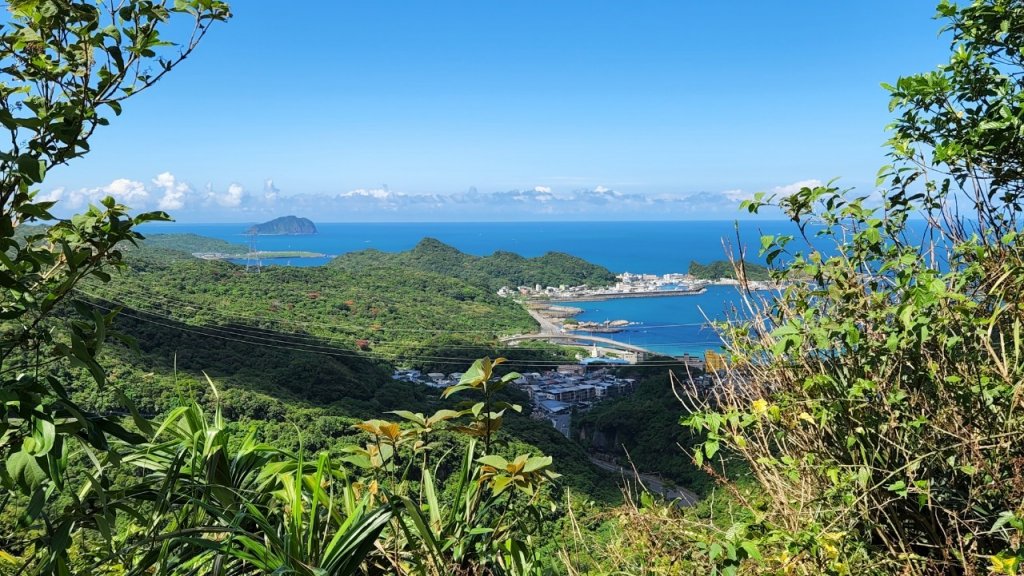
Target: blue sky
{"type": "Point", "coordinates": [526, 110]}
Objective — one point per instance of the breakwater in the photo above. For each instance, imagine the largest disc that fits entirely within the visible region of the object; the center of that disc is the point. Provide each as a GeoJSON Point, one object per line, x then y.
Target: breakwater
{"type": "Point", "coordinates": [599, 296]}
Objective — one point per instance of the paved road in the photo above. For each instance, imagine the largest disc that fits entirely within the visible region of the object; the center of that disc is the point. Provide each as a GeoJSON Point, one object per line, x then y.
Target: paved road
{"type": "Point", "coordinates": [651, 482]}
{"type": "Point", "coordinates": [549, 330]}
{"type": "Point", "coordinates": [546, 325]}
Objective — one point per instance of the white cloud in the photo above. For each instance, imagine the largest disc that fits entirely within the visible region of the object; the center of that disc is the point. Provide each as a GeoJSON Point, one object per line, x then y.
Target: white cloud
{"type": "Point", "coordinates": [270, 192]}
{"type": "Point", "coordinates": [168, 192]}
{"type": "Point", "coordinates": [737, 195]}
{"type": "Point", "coordinates": [234, 196]}
{"type": "Point", "coordinates": [376, 193]}
{"type": "Point", "coordinates": [175, 191]}
{"type": "Point", "coordinates": [52, 196]}
{"type": "Point", "coordinates": [795, 187]}
{"type": "Point", "coordinates": [129, 192]}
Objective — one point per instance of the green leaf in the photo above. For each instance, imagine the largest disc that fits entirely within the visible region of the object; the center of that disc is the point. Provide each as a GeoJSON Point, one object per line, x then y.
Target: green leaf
{"type": "Point", "coordinates": [711, 448]}
{"type": "Point", "coordinates": [751, 549]}
{"type": "Point", "coordinates": [494, 461]}
{"type": "Point", "coordinates": [31, 168]}
{"type": "Point", "coordinates": [44, 433]}
{"type": "Point", "coordinates": [500, 483]}
{"type": "Point", "coordinates": [511, 376]}
{"type": "Point", "coordinates": [477, 374]}
{"type": "Point", "coordinates": [453, 389]}
{"type": "Point", "coordinates": [24, 470]}
{"type": "Point", "coordinates": [536, 463]}
{"type": "Point", "coordinates": [899, 487]}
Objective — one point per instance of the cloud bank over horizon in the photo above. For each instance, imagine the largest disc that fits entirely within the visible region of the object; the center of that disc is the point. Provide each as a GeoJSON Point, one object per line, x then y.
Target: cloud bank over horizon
{"type": "Point", "coordinates": [236, 203]}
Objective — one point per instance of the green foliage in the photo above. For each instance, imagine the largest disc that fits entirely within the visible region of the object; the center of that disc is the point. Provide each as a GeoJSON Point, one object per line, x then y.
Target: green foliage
{"type": "Point", "coordinates": [66, 65]}
{"type": "Point", "coordinates": [191, 244]}
{"type": "Point", "coordinates": [389, 313]}
{"type": "Point", "coordinates": [643, 428]}
{"type": "Point", "coordinates": [493, 272]}
{"type": "Point", "coordinates": [876, 401]}
{"type": "Point", "coordinates": [482, 520]}
{"type": "Point", "coordinates": [724, 269]}
{"type": "Point", "coordinates": [195, 491]}
{"type": "Point", "coordinates": [487, 415]}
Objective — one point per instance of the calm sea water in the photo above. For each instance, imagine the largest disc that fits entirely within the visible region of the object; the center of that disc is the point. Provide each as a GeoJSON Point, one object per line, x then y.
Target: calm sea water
{"type": "Point", "coordinates": [671, 325]}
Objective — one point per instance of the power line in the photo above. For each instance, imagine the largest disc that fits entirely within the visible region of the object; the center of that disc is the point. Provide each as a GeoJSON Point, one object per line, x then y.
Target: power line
{"type": "Point", "coordinates": [354, 327]}
{"type": "Point", "coordinates": [249, 338]}
{"type": "Point", "coordinates": [183, 303]}
{"type": "Point", "coordinates": [317, 339]}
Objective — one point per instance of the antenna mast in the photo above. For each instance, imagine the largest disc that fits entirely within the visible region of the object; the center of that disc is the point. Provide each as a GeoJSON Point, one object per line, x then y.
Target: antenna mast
{"type": "Point", "coordinates": [252, 259]}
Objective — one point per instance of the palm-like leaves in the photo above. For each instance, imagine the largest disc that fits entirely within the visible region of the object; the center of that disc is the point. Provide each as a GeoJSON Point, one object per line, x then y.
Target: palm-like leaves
{"type": "Point", "coordinates": [249, 509]}
{"type": "Point", "coordinates": [195, 498]}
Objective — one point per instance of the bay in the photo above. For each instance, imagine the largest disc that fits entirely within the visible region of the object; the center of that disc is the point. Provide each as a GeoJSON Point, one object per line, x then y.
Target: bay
{"type": "Point", "coordinates": [669, 325]}
{"type": "Point", "coordinates": [672, 325]}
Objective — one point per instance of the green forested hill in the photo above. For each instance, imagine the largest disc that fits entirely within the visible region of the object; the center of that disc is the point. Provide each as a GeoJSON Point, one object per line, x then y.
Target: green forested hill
{"type": "Point", "coordinates": [494, 271]}
{"type": "Point", "coordinates": [723, 269]}
{"type": "Point", "coordinates": [385, 310]}
{"type": "Point", "coordinates": [312, 347]}
{"type": "Point", "coordinates": [192, 243]}
{"type": "Point", "coordinates": [643, 427]}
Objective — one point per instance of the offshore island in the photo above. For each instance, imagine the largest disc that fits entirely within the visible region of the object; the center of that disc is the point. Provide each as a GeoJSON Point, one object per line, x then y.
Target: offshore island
{"type": "Point", "coordinates": [285, 225]}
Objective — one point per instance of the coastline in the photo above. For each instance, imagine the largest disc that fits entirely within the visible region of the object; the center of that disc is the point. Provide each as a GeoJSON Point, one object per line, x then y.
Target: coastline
{"type": "Point", "coordinates": [270, 254]}
{"type": "Point", "coordinates": [597, 297]}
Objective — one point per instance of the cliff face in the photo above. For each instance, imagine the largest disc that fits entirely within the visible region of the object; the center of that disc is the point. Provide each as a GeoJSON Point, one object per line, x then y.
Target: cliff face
{"type": "Point", "coordinates": [284, 225]}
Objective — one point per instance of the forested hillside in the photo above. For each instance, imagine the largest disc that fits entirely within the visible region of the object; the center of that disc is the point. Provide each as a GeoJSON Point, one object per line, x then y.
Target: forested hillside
{"type": "Point", "coordinates": [724, 269]}
{"type": "Point", "coordinates": [494, 271]}
{"type": "Point", "coordinates": [388, 312]}
{"type": "Point", "coordinates": [643, 428]}
{"type": "Point", "coordinates": [316, 345]}
{"type": "Point", "coordinates": [191, 244]}
{"type": "Point", "coordinates": [161, 414]}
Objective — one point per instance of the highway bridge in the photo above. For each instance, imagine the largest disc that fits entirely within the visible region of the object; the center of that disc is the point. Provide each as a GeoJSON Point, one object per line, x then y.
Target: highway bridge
{"type": "Point", "coordinates": [574, 338]}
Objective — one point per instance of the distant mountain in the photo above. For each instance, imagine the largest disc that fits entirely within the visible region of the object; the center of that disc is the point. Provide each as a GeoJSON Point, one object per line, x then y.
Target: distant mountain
{"type": "Point", "coordinates": [284, 225]}
{"type": "Point", "coordinates": [494, 271]}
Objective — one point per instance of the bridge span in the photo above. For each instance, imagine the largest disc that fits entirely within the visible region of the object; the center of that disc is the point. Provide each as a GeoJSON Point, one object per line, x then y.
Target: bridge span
{"type": "Point", "coordinates": [578, 338]}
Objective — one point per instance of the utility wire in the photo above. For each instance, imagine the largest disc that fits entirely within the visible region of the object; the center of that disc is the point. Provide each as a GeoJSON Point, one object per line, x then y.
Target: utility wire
{"type": "Point", "coordinates": [252, 339]}
{"type": "Point", "coordinates": [162, 299]}
{"type": "Point", "coordinates": [317, 339]}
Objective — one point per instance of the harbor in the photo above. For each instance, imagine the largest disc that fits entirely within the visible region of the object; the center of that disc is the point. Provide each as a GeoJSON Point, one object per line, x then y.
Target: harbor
{"type": "Point", "coordinates": [633, 318]}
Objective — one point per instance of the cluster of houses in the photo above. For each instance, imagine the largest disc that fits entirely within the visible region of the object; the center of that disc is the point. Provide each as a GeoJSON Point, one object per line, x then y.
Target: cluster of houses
{"type": "Point", "coordinates": [627, 284]}
{"type": "Point", "coordinates": [554, 394]}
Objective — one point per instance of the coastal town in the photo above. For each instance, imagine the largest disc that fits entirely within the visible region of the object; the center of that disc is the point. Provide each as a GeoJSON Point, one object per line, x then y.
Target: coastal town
{"type": "Point", "coordinates": [558, 393]}
{"type": "Point", "coordinates": [628, 285]}
{"type": "Point", "coordinates": [554, 394]}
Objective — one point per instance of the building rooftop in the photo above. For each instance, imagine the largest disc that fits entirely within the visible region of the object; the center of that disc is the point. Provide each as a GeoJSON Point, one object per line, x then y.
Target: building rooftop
{"type": "Point", "coordinates": [554, 406]}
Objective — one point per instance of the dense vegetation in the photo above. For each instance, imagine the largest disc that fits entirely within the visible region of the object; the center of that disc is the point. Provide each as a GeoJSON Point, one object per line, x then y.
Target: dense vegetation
{"type": "Point", "coordinates": [724, 269]}
{"type": "Point", "coordinates": [191, 244]}
{"type": "Point", "coordinates": [494, 271]}
{"type": "Point", "coordinates": [877, 399]}
{"type": "Point", "coordinates": [389, 313]}
{"type": "Point", "coordinates": [869, 421]}
{"type": "Point", "coordinates": [643, 428]}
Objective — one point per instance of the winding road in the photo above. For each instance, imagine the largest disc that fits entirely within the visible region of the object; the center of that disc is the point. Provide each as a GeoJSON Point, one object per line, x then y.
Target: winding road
{"type": "Point", "coordinates": [651, 482]}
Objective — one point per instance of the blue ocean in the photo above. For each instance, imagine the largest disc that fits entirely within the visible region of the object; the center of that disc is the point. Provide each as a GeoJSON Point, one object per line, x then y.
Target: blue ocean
{"type": "Point", "coordinates": [670, 325]}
